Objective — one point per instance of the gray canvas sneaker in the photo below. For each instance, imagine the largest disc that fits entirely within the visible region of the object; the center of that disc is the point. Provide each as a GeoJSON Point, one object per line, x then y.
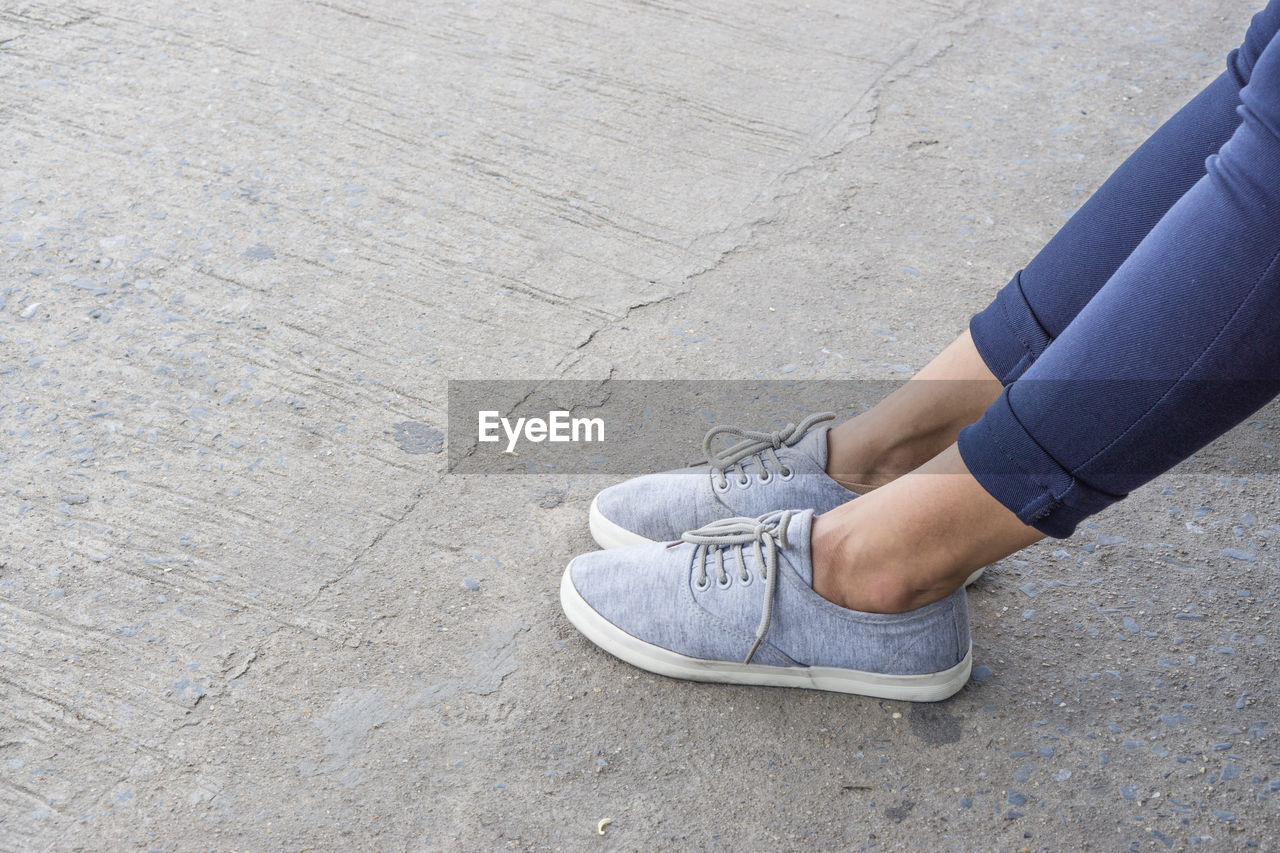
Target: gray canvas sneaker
{"type": "Point", "coordinates": [762, 472]}
{"type": "Point", "coordinates": [733, 602]}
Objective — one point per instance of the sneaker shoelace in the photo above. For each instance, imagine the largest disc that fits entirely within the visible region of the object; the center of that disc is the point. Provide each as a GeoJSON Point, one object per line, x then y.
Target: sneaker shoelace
{"type": "Point", "coordinates": [765, 535]}
{"type": "Point", "coordinates": [760, 445]}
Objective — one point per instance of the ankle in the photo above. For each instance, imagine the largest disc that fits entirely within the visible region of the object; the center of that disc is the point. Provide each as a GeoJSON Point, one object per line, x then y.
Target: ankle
{"type": "Point", "coordinates": [862, 464]}
{"type": "Point", "coordinates": [847, 574]}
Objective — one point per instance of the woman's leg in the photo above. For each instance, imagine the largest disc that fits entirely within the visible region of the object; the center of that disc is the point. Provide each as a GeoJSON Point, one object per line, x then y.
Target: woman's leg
{"type": "Point", "coordinates": [925, 415]}
{"type": "Point", "coordinates": [915, 422]}
{"type": "Point", "coordinates": [1042, 300]}
{"type": "Point", "coordinates": [1181, 344]}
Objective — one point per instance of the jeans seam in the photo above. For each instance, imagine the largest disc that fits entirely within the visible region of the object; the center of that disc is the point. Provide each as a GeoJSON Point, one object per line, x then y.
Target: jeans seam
{"type": "Point", "coordinates": [1035, 318]}
{"type": "Point", "coordinates": [1233, 62]}
{"type": "Point", "coordinates": [1045, 489]}
{"type": "Point", "coordinates": [1234, 314]}
{"type": "Point", "coordinates": [1029, 350]}
{"type": "Point", "coordinates": [1013, 329]}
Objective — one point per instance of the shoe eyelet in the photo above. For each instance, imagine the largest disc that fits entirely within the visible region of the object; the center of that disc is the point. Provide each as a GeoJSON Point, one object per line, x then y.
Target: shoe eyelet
{"type": "Point", "coordinates": [765, 477]}
{"type": "Point", "coordinates": [786, 473]}
{"type": "Point", "coordinates": [720, 486]}
{"type": "Point", "coordinates": [703, 586]}
{"type": "Point", "coordinates": [746, 581]}
{"type": "Point", "coordinates": [743, 483]}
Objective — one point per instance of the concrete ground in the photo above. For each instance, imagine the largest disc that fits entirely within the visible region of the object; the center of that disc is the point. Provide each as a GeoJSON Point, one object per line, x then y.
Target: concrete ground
{"type": "Point", "coordinates": [244, 245]}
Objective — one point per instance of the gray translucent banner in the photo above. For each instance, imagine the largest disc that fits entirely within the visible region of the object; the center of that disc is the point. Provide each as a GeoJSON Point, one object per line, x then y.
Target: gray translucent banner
{"type": "Point", "coordinates": [629, 427]}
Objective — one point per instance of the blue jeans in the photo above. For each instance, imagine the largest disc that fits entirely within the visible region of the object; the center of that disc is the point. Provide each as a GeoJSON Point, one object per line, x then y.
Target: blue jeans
{"type": "Point", "coordinates": [1150, 324]}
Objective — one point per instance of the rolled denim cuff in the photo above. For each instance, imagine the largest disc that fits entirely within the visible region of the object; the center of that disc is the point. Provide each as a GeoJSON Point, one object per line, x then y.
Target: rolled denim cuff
{"type": "Point", "coordinates": [1007, 334]}
{"type": "Point", "coordinates": [1015, 470]}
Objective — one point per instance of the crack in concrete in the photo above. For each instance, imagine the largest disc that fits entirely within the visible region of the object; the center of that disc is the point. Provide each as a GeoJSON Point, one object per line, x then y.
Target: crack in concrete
{"type": "Point", "coordinates": [418, 495]}
{"type": "Point", "coordinates": [918, 55]}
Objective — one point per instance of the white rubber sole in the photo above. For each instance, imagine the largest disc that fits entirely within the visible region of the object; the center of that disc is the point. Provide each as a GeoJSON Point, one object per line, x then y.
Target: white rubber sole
{"type": "Point", "coordinates": [933, 687]}
{"type": "Point", "coordinates": [609, 535]}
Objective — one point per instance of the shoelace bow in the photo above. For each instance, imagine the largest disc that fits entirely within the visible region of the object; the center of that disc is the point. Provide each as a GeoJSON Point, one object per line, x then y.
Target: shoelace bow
{"type": "Point", "coordinates": [765, 534]}
{"type": "Point", "coordinates": [760, 444]}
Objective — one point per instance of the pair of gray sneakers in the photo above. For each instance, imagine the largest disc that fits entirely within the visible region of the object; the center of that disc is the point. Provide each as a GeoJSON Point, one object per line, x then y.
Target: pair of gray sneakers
{"type": "Point", "coordinates": [707, 575]}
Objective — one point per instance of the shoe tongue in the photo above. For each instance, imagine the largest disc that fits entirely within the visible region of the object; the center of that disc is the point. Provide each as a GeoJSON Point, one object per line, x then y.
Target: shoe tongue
{"type": "Point", "coordinates": [797, 553]}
